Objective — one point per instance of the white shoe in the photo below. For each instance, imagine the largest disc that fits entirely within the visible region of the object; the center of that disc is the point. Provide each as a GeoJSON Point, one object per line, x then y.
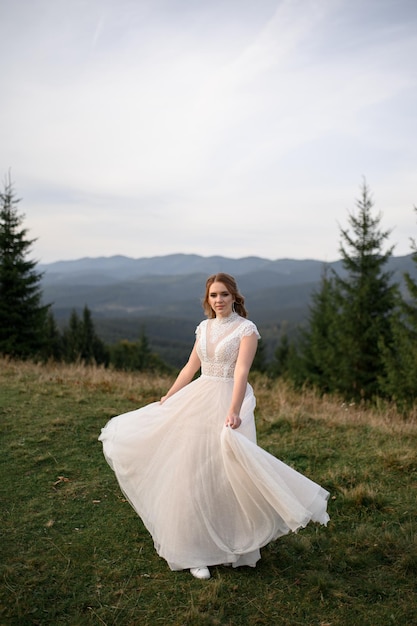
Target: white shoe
{"type": "Point", "coordinates": [203, 573]}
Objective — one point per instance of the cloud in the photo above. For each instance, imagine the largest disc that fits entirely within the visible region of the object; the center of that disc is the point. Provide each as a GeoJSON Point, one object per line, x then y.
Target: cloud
{"type": "Point", "coordinates": [171, 121]}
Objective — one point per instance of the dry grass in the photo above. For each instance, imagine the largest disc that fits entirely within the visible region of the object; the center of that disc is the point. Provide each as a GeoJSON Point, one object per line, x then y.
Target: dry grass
{"type": "Point", "coordinates": [94, 377]}
{"type": "Point", "coordinates": [278, 397]}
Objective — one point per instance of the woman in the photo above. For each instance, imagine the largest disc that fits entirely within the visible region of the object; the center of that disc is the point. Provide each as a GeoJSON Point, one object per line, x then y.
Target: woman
{"type": "Point", "coordinates": [189, 464]}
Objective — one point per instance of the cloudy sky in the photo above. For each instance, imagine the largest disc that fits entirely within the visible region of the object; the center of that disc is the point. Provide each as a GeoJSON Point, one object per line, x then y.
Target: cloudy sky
{"type": "Point", "coordinates": [232, 127]}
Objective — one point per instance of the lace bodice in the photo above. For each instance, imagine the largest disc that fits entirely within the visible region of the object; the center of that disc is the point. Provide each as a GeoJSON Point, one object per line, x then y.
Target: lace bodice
{"type": "Point", "coordinates": [219, 341]}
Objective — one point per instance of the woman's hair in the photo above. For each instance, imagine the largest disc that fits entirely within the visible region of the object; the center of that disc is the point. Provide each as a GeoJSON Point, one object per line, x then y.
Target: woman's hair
{"type": "Point", "coordinates": [230, 283]}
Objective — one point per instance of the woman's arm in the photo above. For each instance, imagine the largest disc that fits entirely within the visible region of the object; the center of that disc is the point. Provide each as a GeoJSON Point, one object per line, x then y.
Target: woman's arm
{"type": "Point", "coordinates": [186, 374]}
{"type": "Point", "coordinates": [247, 351]}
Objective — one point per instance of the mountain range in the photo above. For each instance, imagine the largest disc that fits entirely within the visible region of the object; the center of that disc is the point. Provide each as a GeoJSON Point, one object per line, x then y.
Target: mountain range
{"type": "Point", "coordinates": [163, 294]}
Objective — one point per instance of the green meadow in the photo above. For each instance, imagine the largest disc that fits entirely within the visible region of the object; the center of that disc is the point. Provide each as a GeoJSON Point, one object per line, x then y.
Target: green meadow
{"type": "Point", "coordinates": [74, 552]}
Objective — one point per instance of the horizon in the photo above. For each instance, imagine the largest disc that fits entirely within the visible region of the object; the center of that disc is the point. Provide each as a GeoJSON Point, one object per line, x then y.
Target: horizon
{"type": "Point", "coordinates": [211, 256]}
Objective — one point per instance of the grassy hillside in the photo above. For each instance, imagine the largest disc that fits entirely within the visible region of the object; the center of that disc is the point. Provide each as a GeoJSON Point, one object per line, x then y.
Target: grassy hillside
{"type": "Point", "coordinates": [73, 551]}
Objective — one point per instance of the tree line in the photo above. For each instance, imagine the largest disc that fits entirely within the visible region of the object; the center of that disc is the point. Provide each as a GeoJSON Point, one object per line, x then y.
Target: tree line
{"type": "Point", "coordinates": [28, 328]}
{"type": "Point", "coordinates": [359, 340]}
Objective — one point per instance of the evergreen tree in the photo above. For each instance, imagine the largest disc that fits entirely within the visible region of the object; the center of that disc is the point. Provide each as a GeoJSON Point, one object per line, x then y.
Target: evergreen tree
{"type": "Point", "coordinates": [23, 317]}
{"type": "Point", "coordinates": [53, 348]}
{"type": "Point", "coordinates": [259, 362]}
{"type": "Point", "coordinates": [350, 315]}
{"type": "Point", "coordinates": [317, 359]}
{"type": "Point", "coordinates": [279, 365]}
{"type": "Point", "coordinates": [87, 336]}
{"type": "Point", "coordinates": [93, 349]}
{"type": "Point", "coordinates": [367, 299]}
{"type": "Point", "coordinates": [136, 356]}
{"type": "Point", "coordinates": [400, 356]}
{"type": "Point", "coordinates": [80, 341]}
{"type": "Point", "coordinates": [123, 355]}
{"type": "Point", "coordinates": [144, 352]}
{"type": "Point", "coordinates": [72, 338]}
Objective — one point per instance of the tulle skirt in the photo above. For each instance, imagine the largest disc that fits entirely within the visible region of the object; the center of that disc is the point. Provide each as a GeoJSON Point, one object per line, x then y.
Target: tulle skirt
{"type": "Point", "coordinates": [208, 494]}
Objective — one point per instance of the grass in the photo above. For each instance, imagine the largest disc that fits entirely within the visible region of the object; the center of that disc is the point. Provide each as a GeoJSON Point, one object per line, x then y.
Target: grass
{"type": "Point", "coordinates": [73, 551]}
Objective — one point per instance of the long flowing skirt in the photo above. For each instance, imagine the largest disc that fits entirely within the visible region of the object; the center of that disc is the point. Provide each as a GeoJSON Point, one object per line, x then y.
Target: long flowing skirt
{"type": "Point", "coordinates": [208, 494]}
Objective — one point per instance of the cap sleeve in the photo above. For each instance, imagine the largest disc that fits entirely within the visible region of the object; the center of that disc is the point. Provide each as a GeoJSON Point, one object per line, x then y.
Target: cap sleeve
{"type": "Point", "coordinates": [198, 329]}
{"type": "Point", "coordinates": [248, 328]}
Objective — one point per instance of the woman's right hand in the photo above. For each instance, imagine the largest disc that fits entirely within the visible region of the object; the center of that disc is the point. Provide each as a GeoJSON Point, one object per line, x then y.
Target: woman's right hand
{"type": "Point", "coordinates": [233, 420]}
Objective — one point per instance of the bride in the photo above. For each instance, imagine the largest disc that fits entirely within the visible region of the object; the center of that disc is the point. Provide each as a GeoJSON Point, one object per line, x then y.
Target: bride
{"type": "Point", "coordinates": [189, 464]}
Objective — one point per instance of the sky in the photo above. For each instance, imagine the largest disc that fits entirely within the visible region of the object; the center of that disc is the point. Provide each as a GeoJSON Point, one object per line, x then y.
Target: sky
{"type": "Point", "coordinates": [223, 127]}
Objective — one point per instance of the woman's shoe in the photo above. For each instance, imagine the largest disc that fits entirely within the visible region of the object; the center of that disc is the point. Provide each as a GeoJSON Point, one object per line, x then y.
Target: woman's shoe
{"type": "Point", "coordinates": [203, 573]}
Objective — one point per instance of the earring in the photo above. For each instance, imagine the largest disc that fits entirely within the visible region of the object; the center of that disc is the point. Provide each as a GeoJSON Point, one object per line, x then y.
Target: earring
{"type": "Point", "coordinates": [233, 307]}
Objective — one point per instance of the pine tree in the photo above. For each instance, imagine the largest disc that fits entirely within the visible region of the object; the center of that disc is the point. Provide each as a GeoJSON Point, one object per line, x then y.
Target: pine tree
{"type": "Point", "coordinates": [367, 300]}
{"type": "Point", "coordinates": [123, 355]}
{"type": "Point", "coordinates": [400, 356]}
{"type": "Point", "coordinates": [93, 349]}
{"type": "Point", "coordinates": [53, 348]}
{"type": "Point", "coordinates": [23, 317]}
{"type": "Point", "coordinates": [259, 362]}
{"type": "Point", "coordinates": [279, 365]}
{"type": "Point", "coordinates": [317, 360]}
{"type": "Point", "coordinates": [351, 315]}
{"type": "Point", "coordinates": [136, 356]}
{"type": "Point", "coordinates": [81, 342]}
{"type": "Point", "coordinates": [72, 338]}
{"type": "Point", "coordinates": [144, 352]}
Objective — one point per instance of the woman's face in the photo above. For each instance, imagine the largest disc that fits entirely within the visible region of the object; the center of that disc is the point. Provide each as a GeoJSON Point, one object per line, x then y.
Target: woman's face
{"type": "Point", "coordinates": [220, 299]}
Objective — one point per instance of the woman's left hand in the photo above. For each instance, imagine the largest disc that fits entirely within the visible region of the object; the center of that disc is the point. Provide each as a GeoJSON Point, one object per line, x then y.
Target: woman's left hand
{"type": "Point", "coordinates": [233, 420]}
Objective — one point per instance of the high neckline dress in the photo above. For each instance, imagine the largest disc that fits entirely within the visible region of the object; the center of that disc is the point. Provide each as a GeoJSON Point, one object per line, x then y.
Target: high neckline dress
{"type": "Point", "coordinates": [208, 494]}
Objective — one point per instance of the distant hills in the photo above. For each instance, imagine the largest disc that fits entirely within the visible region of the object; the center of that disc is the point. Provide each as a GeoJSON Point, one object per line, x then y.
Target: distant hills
{"type": "Point", "coordinates": [163, 294]}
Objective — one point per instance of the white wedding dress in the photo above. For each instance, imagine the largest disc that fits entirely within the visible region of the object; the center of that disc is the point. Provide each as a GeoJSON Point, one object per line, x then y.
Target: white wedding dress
{"type": "Point", "coordinates": [208, 494]}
